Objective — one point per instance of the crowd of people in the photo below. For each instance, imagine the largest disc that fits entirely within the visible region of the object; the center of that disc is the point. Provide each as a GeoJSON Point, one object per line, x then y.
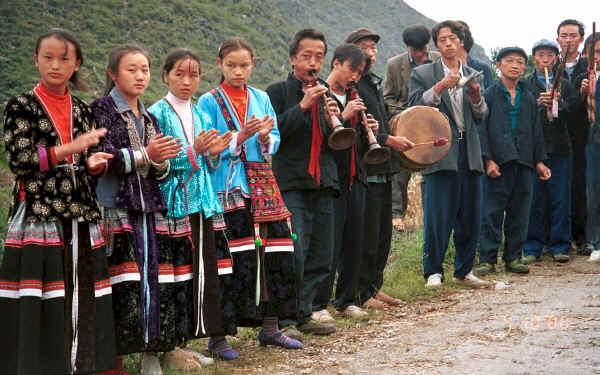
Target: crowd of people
{"type": "Point", "coordinates": [136, 229]}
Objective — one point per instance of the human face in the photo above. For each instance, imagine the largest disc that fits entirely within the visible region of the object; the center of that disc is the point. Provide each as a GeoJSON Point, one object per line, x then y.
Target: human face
{"type": "Point", "coordinates": [309, 57]}
{"type": "Point", "coordinates": [597, 55]}
{"type": "Point", "coordinates": [512, 66]}
{"type": "Point", "coordinates": [236, 67]}
{"type": "Point", "coordinates": [133, 75]}
{"type": "Point", "coordinates": [184, 78]}
{"type": "Point", "coordinates": [569, 35]}
{"type": "Point", "coordinates": [419, 56]}
{"type": "Point", "coordinates": [57, 62]}
{"type": "Point", "coordinates": [544, 58]}
{"type": "Point", "coordinates": [345, 74]}
{"type": "Point", "coordinates": [369, 47]}
{"type": "Point", "coordinates": [448, 43]}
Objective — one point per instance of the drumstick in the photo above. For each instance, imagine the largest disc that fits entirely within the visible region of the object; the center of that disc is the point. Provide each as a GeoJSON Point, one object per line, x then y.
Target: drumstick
{"type": "Point", "coordinates": [439, 142]}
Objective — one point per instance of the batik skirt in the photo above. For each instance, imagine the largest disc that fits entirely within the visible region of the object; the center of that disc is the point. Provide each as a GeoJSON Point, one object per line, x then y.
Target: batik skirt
{"type": "Point", "coordinates": [261, 279]}
{"type": "Point", "coordinates": [55, 299]}
{"type": "Point", "coordinates": [165, 285]}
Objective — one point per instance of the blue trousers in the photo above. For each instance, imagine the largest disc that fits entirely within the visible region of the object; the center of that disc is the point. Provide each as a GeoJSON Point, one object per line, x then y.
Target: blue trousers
{"type": "Point", "coordinates": [452, 203]}
{"type": "Point", "coordinates": [592, 229]}
{"type": "Point", "coordinates": [312, 221]}
{"type": "Point", "coordinates": [511, 192]}
{"type": "Point", "coordinates": [550, 219]}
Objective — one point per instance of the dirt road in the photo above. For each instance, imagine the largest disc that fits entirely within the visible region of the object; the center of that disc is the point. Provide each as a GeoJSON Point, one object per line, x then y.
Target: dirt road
{"type": "Point", "coordinates": [545, 323]}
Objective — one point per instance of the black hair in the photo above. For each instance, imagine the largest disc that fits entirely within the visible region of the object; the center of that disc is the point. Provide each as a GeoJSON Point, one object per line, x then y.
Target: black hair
{"type": "Point", "coordinates": [176, 55]}
{"type": "Point", "coordinates": [351, 52]}
{"type": "Point", "coordinates": [454, 26]}
{"type": "Point", "coordinates": [231, 45]}
{"type": "Point", "coordinates": [66, 37]}
{"type": "Point", "coordinates": [305, 34]}
{"type": "Point", "coordinates": [416, 36]}
{"type": "Point", "coordinates": [114, 59]}
{"type": "Point", "coordinates": [587, 45]}
{"type": "Point", "coordinates": [468, 41]}
{"type": "Point", "coordinates": [573, 22]}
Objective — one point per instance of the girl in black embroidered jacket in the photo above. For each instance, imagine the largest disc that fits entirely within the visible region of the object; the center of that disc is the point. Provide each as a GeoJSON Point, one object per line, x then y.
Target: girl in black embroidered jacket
{"type": "Point", "coordinates": [55, 297]}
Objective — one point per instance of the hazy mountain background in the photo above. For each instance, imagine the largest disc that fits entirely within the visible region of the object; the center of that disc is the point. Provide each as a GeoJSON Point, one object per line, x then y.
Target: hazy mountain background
{"type": "Point", "coordinates": [197, 24]}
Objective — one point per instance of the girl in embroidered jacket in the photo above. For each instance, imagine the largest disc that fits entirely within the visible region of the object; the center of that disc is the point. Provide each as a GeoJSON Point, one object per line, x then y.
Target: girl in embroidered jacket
{"type": "Point", "coordinates": [258, 228]}
{"type": "Point", "coordinates": [142, 272]}
{"type": "Point", "coordinates": [194, 211]}
{"type": "Point", "coordinates": [55, 295]}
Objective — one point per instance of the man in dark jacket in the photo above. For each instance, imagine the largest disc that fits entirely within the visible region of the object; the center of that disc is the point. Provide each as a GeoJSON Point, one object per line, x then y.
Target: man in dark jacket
{"type": "Point", "coordinates": [395, 95]}
{"type": "Point", "coordinates": [513, 146]}
{"type": "Point", "coordinates": [479, 65]}
{"type": "Point", "coordinates": [453, 185]}
{"type": "Point", "coordinates": [305, 170]}
{"type": "Point", "coordinates": [551, 203]}
{"type": "Point", "coordinates": [570, 34]}
{"type": "Point", "coordinates": [378, 213]}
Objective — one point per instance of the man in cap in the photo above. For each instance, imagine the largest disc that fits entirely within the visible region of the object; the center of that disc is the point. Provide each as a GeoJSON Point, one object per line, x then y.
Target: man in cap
{"type": "Point", "coordinates": [453, 185]}
{"type": "Point", "coordinates": [395, 95]}
{"type": "Point", "coordinates": [378, 213]}
{"type": "Point", "coordinates": [513, 149]}
{"type": "Point", "coordinates": [551, 203]}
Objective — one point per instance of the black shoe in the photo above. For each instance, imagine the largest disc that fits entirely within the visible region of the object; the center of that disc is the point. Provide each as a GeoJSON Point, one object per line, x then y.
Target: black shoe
{"type": "Point", "coordinates": [585, 249]}
{"type": "Point", "coordinates": [316, 328]}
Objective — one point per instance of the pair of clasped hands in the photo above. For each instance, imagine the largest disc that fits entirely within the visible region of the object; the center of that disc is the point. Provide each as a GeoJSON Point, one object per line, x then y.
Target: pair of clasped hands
{"type": "Point", "coordinates": [355, 106]}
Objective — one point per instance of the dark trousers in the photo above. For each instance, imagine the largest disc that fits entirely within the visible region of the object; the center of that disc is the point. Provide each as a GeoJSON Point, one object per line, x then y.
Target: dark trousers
{"type": "Point", "coordinates": [378, 238]}
{"type": "Point", "coordinates": [400, 193]}
{"type": "Point", "coordinates": [452, 203]}
{"type": "Point", "coordinates": [511, 192]}
{"type": "Point", "coordinates": [347, 256]}
{"type": "Point", "coordinates": [550, 219]}
{"type": "Point", "coordinates": [312, 221]}
{"type": "Point", "coordinates": [578, 186]}
{"type": "Point", "coordinates": [592, 230]}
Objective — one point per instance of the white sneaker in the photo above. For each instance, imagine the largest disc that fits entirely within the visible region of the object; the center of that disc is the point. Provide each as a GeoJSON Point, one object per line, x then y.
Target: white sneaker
{"type": "Point", "coordinates": [434, 281]}
{"type": "Point", "coordinates": [354, 312]}
{"type": "Point", "coordinates": [151, 365]}
{"type": "Point", "coordinates": [322, 316]}
{"type": "Point", "coordinates": [594, 256]}
{"type": "Point", "coordinates": [472, 281]}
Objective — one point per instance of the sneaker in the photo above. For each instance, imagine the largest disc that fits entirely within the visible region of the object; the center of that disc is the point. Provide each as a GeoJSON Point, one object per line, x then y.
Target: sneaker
{"type": "Point", "coordinates": [374, 304]}
{"type": "Point", "coordinates": [316, 328]}
{"type": "Point", "coordinates": [561, 258]}
{"type": "Point", "coordinates": [434, 281]}
{"type": "Point", "coordinates": [354, 312]}
{"type": "Point", "coordinates": [293, 333]}
{"type": "Point", "coordinates": [484, 269]}
{"type": "Point", "coordinates": [516, 266]}
{"type": "Point", "coordinates": [594, 256]}
{"type": "Point", "coordinates": [151, 365]}
{"type": "Point", "coordinates": [381, 296]}
{"type": "Point", "coordinates": [322, 316]}
{"type": "Point", "coordinates": [528, 259]}
{"type": "Point", "coordinates": [471, 281]}
{"type": "Point", "coordinates": [585, 249]}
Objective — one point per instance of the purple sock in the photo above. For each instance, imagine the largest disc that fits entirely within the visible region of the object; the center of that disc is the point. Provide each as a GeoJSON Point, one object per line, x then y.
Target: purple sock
{"type": "Point", "coordinates": [270, 325]}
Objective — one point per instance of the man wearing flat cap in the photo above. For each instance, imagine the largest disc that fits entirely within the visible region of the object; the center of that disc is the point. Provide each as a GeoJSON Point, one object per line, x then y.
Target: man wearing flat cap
{"type": "Point", "coordinates": [378, 212]}
{"type": "Point", "coordinates": [453, 192]}
{"type": "Point", "coordinates": [513, 150]}
{"type": "Point", "coordinates": [552, 198]}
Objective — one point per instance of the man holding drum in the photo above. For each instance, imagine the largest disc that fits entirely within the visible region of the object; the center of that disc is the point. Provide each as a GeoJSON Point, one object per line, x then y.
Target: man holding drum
{"type": "Point", "coordinates": [453, 195]}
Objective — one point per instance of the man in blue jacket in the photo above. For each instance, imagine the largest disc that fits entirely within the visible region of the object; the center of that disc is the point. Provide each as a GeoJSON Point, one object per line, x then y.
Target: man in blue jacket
{"type": "Point", "coordinates": [512, 146]}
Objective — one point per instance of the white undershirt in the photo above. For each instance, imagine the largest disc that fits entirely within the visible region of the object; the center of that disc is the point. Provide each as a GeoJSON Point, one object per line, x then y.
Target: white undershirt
{"type": "Point", "coordinates": [183, 108]}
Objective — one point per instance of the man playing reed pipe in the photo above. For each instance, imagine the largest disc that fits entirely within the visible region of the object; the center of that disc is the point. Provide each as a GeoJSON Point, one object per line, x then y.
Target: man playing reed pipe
{"type": "Point", "coordinates": [453, 185]}
{"type": "Point", "coordinates": [550, 220]}
{"type": "Point", "coordinates": [378, 231]}
{"type": "Point", "coordinates": [306, 172]}
{"type": "Point", "coordinates": [512, 142]}
{"type": "Point", "coordinates": [347, 65]}
{"type": "Point", "coordinates": [395, 95]}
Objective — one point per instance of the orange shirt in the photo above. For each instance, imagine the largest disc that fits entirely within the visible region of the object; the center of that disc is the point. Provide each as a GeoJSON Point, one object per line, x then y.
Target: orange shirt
{"type": "Point", "coordinates": [239, 100]}
{"type": "Point", "coordinates": [59, 111]}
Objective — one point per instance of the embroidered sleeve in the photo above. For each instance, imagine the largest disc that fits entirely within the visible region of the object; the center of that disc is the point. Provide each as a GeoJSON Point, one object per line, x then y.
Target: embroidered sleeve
{"type": "Point", "coordinates": [117, 165]}
{"type": "Point", "coordinates": [23, 148]}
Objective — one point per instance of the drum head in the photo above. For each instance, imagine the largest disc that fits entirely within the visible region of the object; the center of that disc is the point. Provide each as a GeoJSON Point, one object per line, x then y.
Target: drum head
{"type": "Point", "coordinates": [422, 124]}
